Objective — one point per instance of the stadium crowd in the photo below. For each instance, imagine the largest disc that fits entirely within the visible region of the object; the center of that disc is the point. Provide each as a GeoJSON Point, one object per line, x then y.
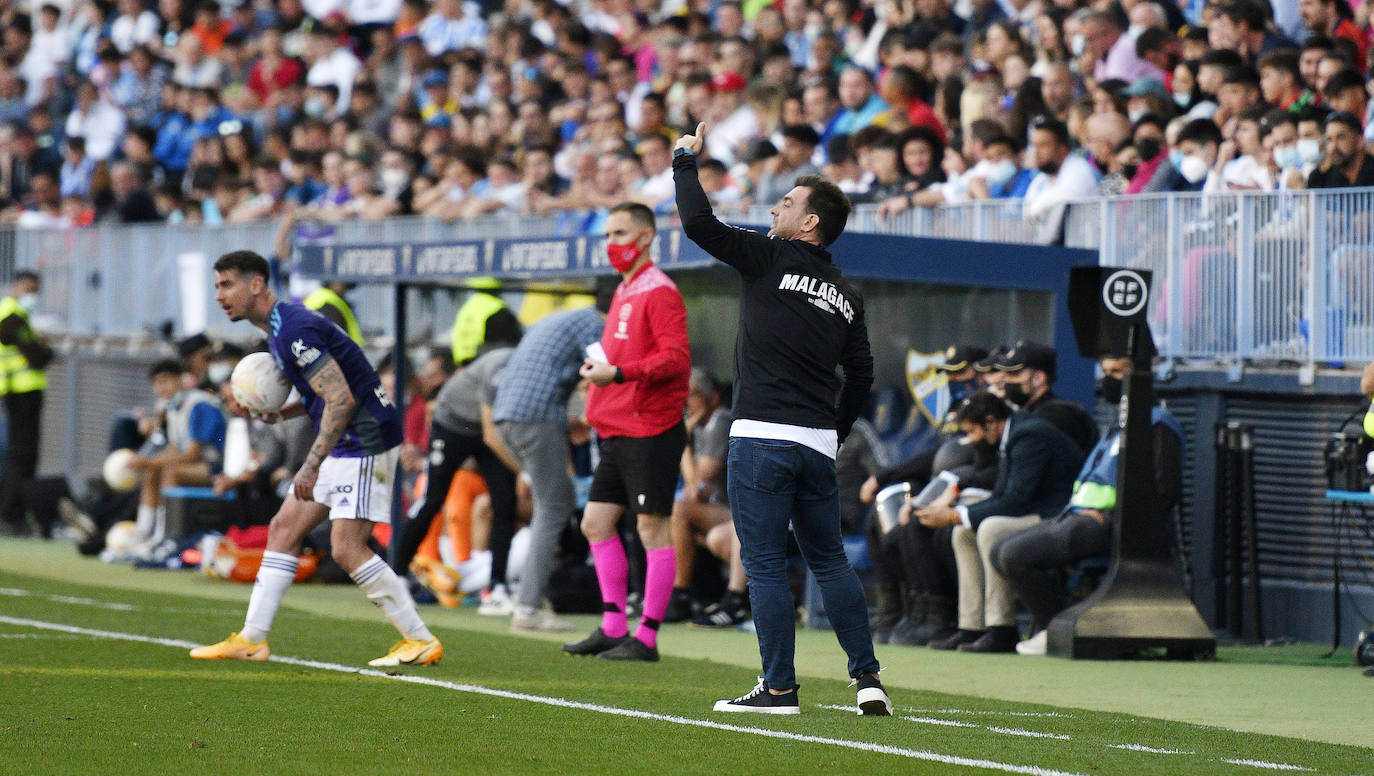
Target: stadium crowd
{"type": "Point", "coordinates": [210, 112]}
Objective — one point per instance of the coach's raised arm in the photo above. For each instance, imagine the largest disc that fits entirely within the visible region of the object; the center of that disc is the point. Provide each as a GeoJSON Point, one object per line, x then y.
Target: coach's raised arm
{"type": "Point", "coordinates": [742, 249]}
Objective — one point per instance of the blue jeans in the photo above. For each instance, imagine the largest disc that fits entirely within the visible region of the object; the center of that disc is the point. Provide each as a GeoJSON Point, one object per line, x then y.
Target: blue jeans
{"type": "Point", "coordinates": [773, 483]}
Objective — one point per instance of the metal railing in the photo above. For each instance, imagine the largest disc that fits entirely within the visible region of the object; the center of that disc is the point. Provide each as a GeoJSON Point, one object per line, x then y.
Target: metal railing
{"type": "Point", "coordinates": [1279, 276]}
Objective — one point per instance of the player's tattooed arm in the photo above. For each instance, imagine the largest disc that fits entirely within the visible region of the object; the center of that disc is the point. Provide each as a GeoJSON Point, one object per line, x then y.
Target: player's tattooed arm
{"type": "Point", "coordinates": [329, 384]}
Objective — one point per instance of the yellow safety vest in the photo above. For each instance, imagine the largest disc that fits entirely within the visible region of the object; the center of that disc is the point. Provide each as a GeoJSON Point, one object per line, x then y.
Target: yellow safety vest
{"type": "Point", "coordinates": [470, 325]}
{"type": "Point", "coordinates": [326, 296]}
{"type": "Point", "coordinates": [1369, 421]}
{"type": "Point", "coordinates": [16, 376]}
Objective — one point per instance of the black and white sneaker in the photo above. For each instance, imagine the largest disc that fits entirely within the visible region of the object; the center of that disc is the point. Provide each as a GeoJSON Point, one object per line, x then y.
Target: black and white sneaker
{"type": "Point", "coordinates": [873, 699]}
{"type": "Point", "coordinates": [761, 701]}
{"type": "Point", "coordinates": [594, 644]}
{"type": "Point", "coordinates": [728, 612]}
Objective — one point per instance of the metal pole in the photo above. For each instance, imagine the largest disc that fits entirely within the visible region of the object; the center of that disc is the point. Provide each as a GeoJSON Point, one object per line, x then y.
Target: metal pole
{"type": "Point", "coordinates": [398, 515]}
{"type": "Point", "coordinates": [1254, 628]}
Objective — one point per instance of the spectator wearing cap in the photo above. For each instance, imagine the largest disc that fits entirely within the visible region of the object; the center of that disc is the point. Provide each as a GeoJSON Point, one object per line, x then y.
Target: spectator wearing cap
{"type": "Point", "coordinates": [859, 101]}
{"type": "Point", "coordinates": [1063, 177]}
{"type": "Point", "coordinates": [1334, 19]}
{"type": "Point", "coordinates": [1030, 369]}
{"type": "Point", "coordinates": [434, 99]}
{"type": "Point", "coordinates": [1147, 95]}
{"type": "Point", "coordinates": [1345, 163]}
{"type": "Point", "coordinates": [735, 120]}
{"type": "Point", "coordinates": [1111, 52]}
{"type": "Point", "coordinates": [793, 161]}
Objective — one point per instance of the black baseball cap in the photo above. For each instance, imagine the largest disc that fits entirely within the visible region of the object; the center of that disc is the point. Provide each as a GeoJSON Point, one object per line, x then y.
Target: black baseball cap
{"type": "Point", "coordinates": [1026, 353]}
{"type": "Point", "coordinates": [961, 357]}
{"type": "Point", "coordinates": [990, 361]}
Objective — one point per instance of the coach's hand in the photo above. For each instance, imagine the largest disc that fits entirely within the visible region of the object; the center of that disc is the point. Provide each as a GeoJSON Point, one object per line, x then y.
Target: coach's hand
{"type": "Point", "coordinates": [303, 484]}
{"type": "Point", "coordinates": [693, 142]}
{"type": "Point", "coordinates": [599, 372]}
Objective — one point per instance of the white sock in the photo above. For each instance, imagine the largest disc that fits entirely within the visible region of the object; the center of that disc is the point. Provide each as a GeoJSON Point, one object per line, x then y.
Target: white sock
{"type": "Point", "coordinates": [147, 521]}
{"type": "Point", "coordinates": [389, 592]}
{"type": "Point", "coordinates": [159, 522]}
{"type": "Point", "coordinates": [275, 575]}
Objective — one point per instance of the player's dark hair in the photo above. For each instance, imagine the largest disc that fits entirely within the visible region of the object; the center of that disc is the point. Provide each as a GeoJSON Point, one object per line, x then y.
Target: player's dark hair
{"type": "Point", "coordinates": [167, 366]}
{"type": "Point", "coordinates": [244, 263]}
{"type": "Point", "coordinates": [829, 204]}
{"type": "Point", "coordinates": [638, 213]}
{"type": "Point", "coordinates": [981, 406]}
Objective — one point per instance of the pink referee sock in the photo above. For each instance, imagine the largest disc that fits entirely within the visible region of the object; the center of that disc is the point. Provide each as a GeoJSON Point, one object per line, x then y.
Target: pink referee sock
{"type": "Point", "coordinates": [613, 576]}
{"type": "Point", "coordinates": [658, 588]}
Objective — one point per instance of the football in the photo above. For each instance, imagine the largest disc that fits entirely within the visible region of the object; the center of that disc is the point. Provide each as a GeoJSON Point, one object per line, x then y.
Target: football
{"type": "Point", "coordinates": [122, 538]}
{"type": "Point", "coordinates": [119, 472]}
{"type": "Point", "coordinates": [258, 384]}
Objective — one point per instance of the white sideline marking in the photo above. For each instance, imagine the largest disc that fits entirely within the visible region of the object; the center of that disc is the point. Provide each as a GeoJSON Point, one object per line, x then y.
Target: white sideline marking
{"type": "Point", "coordinates": [1270, 766]}
{"type": "Point", "coordinates": [1029, 733]}
{"type": "Point", "coordinates": [560, 702]}
{"type": "Point", "coordinates": [47, 636]}
{"type": "Point", "coordinates": [66, 599]}
{"type": "Point", "coordinates": [934, 721]}
{"type": "Point", "coordinates": [1150, 749]}
{"type": "Point", "coordinates": [995, 713]}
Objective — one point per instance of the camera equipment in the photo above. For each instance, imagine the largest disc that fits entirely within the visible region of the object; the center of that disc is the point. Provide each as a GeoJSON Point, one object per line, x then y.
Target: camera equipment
{"type": "Point", "coordinates": [1364, 648]}
{"type": "Point", "coordinates": [1345, 455]}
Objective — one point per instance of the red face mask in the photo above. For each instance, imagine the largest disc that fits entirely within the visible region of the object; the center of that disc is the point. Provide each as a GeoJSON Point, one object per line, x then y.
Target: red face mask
{"type": "Point", "coordinates": [623, 256]}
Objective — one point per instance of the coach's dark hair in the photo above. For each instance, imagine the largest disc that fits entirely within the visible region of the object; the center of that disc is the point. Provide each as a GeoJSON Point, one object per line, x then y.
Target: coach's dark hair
{"type": "Point", "coordinates": [980, 406]}
{"type": "Point", "coordinates": [244, 263]}
{"type": "Point", "coordinates": [638, 213]}
{"type": "Point", "coordinates": [167, 366]}
{"type": "Point", "coordinates": [25, 274]}
{"type": "Point", "coordinates": [829, 204]}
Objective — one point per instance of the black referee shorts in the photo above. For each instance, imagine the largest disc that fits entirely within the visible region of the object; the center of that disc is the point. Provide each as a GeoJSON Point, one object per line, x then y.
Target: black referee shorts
{"type": "Point", "coordinates": [640, 473]}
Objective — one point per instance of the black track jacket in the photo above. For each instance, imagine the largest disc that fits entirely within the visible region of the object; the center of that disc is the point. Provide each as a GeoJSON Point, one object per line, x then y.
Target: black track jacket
{"type": "Point", "coordinates": [798, 320]}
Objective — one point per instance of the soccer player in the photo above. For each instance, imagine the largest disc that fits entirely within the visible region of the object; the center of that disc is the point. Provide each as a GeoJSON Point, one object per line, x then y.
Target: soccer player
{"type": "Point", "coordinates": [635, 404]}
{"type": "Point", "coordinates": [799, 320]}
{"type": "Point", "coordinates": [347, 475]}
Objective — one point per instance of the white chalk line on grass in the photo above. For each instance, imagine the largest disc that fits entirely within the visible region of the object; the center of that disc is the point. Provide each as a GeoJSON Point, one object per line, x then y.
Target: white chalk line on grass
{"type": "Point", "coordinates": [1143, 748]}
{"type": "Point", "coordinates": [66, 599]}
{"type": "Point", "coordinates": [866, 746]}
{"type": "Point", "coordinates": [1269, 765]}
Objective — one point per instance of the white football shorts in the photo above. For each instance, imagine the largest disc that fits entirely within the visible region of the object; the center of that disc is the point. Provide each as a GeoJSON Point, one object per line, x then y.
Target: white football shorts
{"type": "Point", "coordinates": [358, 488]}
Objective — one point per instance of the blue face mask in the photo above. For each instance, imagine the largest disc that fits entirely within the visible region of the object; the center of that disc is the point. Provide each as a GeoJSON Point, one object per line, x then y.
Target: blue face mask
{"type": "Point", "coordinates": [961, 389]}
{"type": "Point", "coordinates": [1176, 158]}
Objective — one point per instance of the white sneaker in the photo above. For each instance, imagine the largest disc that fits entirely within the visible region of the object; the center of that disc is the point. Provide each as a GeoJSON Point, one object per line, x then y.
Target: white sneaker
{"type": "Point", "coordinates": [1035, 645]}
{"type": "Point", "coordinates": [497, 603]}
{"type": "Point", "coordinates": [541, 620]}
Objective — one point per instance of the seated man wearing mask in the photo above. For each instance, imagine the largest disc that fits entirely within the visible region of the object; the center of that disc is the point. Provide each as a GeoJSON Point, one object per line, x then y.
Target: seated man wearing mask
{"type": "Point", "coordinates": [1029, 559]}
{"type": "Point", "coordinates": [1035, 473]}
{"type": "Point", "coordinates": [1030, 370]}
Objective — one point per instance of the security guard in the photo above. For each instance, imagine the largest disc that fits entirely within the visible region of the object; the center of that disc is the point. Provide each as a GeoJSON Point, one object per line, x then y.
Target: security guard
{"type": "Point", "coordinates": [1031, 558]}
{"type": "Point", "coordinates": [329, 301]}
{"type": "Point", "coordinates": [483, 320]}
{"type": "Point", "coordinates": [23, 354]}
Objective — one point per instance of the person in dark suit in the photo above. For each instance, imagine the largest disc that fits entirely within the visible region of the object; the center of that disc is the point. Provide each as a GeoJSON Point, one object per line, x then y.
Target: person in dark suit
{"type": "Point", "coordinates": [1030, 369]}
{"type": "Point", "coordinates": [1036, 467]}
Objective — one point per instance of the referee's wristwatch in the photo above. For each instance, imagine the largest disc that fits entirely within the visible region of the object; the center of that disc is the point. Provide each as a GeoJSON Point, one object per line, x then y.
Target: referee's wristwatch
{"type": "Point", "coordinates": [619, 376]}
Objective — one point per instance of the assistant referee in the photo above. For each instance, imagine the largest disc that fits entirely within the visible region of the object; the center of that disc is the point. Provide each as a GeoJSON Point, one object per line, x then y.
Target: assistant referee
{"type": "Point", "coordinates": [798, 320]}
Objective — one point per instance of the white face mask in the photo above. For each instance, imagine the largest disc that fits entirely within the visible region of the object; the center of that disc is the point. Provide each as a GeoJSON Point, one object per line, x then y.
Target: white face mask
{"type": "Point", "coordinates": [1000, 173]}
{"type": "Point", "coordinates": [219, 372]}
{"type": "Point", "coordinates": [1193, 168]}
{"type": "Point", "coordinates": [1287, 156]}
{"type": "Point", "coordinates": [1135, 114]}
{"type": "Point", "coordinates": [1181, 99]}
{"type": "Point", "coordinates": [28, 301]}
{"type": "Point", "coordinates": [1078, 44]}
{"type": "Point", "coordinates": [1309, 151]}
{"type": "Point", "coordinates": [394, 179]}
